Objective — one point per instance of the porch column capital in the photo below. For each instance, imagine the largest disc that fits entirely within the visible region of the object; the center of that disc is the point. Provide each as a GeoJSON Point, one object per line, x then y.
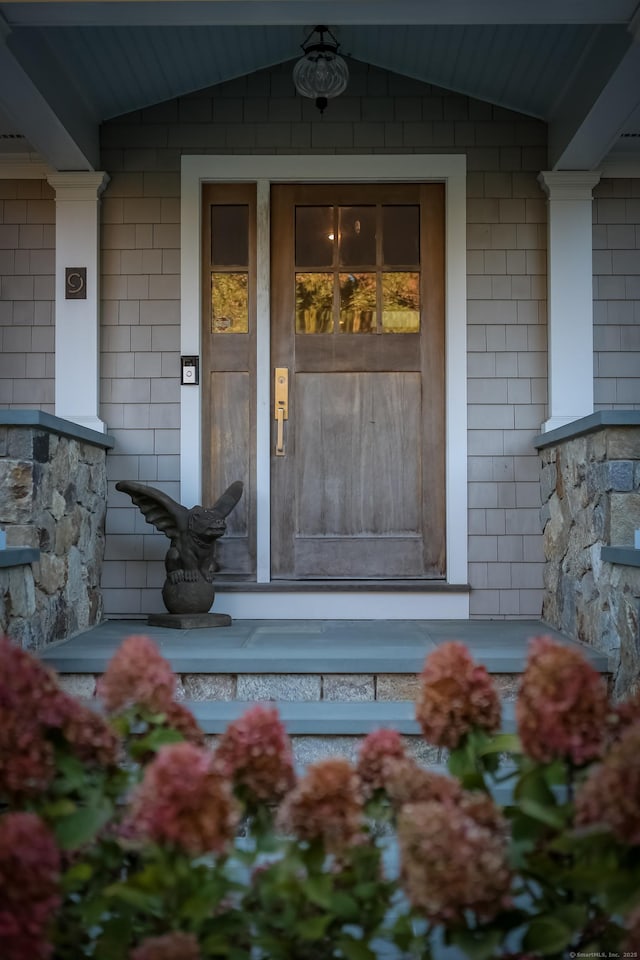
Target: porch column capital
{"type": "Point", "coordinates": [570, 294]}
{"type": "Point", "coordinates": [77, 360]}
{"type": "Point", "coordinates": [569, 184]}
{"type": "Point", "coordinates": [78, 184]}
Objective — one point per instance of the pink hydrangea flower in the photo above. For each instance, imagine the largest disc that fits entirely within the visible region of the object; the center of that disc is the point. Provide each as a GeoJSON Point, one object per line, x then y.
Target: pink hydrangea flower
{"type": "Point", "coordinates": [26, 684]}
{"type": "Point", "coordinates": [610, 795]}
{"type": "Point", "coordinates": [623, 715]}
{"type": "Point", "coordinates": [406, 782]}
{"type": "Point", "coordinates": [89, 736]}
{"type": "Point", "coordinates": [325, 805]}
{"type": "Point", "coordinates": [255, 753]}
{"type": "Point", "coordinates": [456, 695]}
{"type": "Point", "coordinates": [452, 862]}
{"type": "Point", "coordinates": [180, 718]}
{"type": "Point", "coordinates": [170, 946]}
{"type": "Point", "coordinates": [183, 801]}
{"type": "Point", "coordinates": [137, 674]}
{"type": "Point", "coordinates": [29, 881]}
{"type": "Point", "coordinates": [26, 758]}
{"type": "Point", "coordinates": [378, 751]}
{"type": "Point", "coordinates": [562, 704]}
{"type": "Point", "coordinates": [31, 706]}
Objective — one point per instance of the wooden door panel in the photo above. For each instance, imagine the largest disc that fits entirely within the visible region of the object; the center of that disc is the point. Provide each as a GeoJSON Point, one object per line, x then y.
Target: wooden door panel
{"type": "Point", "coordinates": [358, 454]}
{"type": "Point", "coordinates": [230, 408]}
{"type": "Point", "coordinates": [330, 558]}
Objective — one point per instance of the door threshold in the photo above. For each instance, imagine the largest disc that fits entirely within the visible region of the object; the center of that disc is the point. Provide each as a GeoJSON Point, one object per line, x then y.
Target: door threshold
{"type": "Point", "coordinates": [223, 585]}
{"type": "Point", "coordinates": [343, 600]}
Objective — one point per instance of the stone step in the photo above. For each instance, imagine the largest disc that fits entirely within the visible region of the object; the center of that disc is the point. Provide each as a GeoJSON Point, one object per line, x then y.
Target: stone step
{"type": "Point", "coordinates": [332, 681]}
{"type": "Point", "coordinates": [331, 718]}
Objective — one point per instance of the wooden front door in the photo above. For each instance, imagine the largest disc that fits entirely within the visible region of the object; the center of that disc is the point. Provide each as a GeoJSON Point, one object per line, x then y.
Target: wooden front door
{"type": "Point", "coordinates": [357, 308]}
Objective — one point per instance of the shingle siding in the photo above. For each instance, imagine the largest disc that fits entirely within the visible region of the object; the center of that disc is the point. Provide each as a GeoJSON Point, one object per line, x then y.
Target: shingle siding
{"type": "Point", "coordinates": [616, 294]}
{"type": "Point", "coordinates": [27, 256]}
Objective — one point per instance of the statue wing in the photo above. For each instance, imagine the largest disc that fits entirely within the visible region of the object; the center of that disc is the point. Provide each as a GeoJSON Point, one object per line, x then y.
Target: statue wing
{"type": "Point", "coordinates": [157, 507]}
{"type": "Point", "coordinates": [225, 504]}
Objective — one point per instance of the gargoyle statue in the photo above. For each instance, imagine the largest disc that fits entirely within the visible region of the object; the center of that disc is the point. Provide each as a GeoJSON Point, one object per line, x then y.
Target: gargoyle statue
{"type": "Point", "coordinates": [193, 533]}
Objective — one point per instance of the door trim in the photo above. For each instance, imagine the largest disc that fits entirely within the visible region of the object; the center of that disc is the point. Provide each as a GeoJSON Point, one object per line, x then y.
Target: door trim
{"type": "Point", "coordinates": [448, 168]}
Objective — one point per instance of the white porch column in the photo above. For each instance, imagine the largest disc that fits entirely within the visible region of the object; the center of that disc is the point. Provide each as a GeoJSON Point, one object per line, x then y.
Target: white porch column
{"type": "Point", "coordinates": [77, 370]}
{"type": "Point", "coordinates": [570, 294]}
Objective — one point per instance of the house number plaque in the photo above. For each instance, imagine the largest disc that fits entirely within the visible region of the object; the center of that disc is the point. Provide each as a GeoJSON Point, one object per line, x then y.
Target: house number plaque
{"type": "Point", "coordinates": [75, 283]}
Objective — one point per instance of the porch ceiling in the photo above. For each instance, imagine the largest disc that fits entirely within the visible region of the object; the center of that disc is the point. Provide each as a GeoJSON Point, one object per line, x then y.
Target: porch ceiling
{"type": "Point", "coordinates": [65, 67]}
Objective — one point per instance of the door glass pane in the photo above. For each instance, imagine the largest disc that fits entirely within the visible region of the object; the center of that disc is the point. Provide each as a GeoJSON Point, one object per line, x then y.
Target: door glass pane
{"type": "Point", "coordinates": [314, 236]}
{"type": "Point", "coordinates": [400, 302]}
{"type": "Point", "coordinates": [229, 303]}
{"type": "Point", "coordinates": [230, 235]}
{"type": "Point", "coordinates": [314, 302]}
{"type": "Point", "coordinates": [401, 235]}
{"type": "Point", "coordinates": [357, 236]}
{"type": "Point", "coordinates": [357, 303]}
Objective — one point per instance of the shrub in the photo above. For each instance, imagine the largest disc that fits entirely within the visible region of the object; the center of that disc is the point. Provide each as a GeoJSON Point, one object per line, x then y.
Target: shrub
{"type": "Point", "coordinates": [123, 837]}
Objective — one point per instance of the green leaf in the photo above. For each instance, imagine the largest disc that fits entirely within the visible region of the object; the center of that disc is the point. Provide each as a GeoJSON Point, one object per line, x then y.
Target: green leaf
{"type": "Point", "coordinates": [402, 932]}
{"type": "Point", "coordinates": [160, 737]}
{"type": "Point", "coordinates": [318, 890]}
{"type": "Point", "coordinates": [114, 939]}
{"type": "Point", "coordinates": [552, 816]}
{"type": "Point", "coordinates": [533, 786]}
{"type": "Point", "coordinates": [313, 928]}
{"type": "Point", "coordinates": [77, 875]}
{"type": "Point", "coordinates": [147, 902]}
{"type": "Point", "coordinates": [344, 906]}
{"type": "Point", "coordinates": [547, 935]}
{"type": "Point", "coordinates": [58, 808]}
{"type": "Point", "coordinates": [621, 893]}
{"type": "Point", "coordinates": [461, 762]}
{"type": "Point", "coordinates": [574, 915]}
{"type": "Point", "coordinates": [82, 825]}
{"type": "Point", "coordinates": [356, 950]}
{"type": "Point", "coordinates": [477, 945]}
{"type": "Point", "coordinates": [72, 770]}
{"type": "Point", "coordinates": [501, 743]}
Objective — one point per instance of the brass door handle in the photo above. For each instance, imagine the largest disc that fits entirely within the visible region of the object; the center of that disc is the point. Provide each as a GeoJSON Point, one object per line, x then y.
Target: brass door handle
{"type": "Point", "coordinates": [281, 405]}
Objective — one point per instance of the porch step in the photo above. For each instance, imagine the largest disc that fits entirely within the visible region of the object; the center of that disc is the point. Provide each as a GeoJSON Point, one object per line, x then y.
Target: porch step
{"type": "Point", "coordinates": [332, 681]}
{"type": "Point", "coordinates": [324, 718]}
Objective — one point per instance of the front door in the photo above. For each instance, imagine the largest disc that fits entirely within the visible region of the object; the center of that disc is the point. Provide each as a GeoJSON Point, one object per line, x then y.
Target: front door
{"type": "Point", "coordinates": [357, 308]}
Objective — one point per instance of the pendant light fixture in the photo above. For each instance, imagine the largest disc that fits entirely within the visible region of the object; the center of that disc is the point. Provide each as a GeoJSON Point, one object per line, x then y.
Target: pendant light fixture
{"type": "Point", "coordinates": [321, 73]}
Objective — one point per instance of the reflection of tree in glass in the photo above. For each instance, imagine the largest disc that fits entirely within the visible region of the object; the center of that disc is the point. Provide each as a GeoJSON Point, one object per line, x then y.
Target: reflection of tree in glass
{"type": "Point", "coordinates": [401, 291]}
{"type": "Point", "coordinates": [229, 301]}
{"type": "Point", "coordinates": [314, 302]}
{"type": "Point", "coordinates": [401, 302]}
{"type": "Point", "coordinates": [357, 302]}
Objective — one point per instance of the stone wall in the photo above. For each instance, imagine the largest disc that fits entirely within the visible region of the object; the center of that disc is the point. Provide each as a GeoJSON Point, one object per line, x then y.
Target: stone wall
{"type": "Point", "coordinates": [52, 498]}
{"type": "Point", "coordinates": [590, 486]}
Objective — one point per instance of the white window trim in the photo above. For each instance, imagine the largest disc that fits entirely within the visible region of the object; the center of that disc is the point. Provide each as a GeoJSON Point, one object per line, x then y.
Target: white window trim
{"type": "Point", "coordinates": [264, 170]}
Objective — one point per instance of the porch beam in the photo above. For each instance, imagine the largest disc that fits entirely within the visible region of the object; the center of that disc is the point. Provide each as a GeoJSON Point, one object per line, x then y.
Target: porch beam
{"type": "Point", "coordinates": [45, 108]}
{"type": "Point", "coordinates": [77, 373]}
{"type": "Point", "coordinates": [169, 12]}
{"type": "Point", "coordinates": [596, 108]}
{"type": "Point", "coordinates": [570, 295]}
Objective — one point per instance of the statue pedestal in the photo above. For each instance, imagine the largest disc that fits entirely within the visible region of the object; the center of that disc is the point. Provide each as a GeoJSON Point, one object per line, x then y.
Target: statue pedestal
{"type": "Point", "coordinates": [189, 621]}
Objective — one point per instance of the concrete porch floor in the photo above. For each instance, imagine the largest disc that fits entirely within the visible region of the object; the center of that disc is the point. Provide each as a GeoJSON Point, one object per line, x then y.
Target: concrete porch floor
{"type": "Point", "coordinates": [304, 646]}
